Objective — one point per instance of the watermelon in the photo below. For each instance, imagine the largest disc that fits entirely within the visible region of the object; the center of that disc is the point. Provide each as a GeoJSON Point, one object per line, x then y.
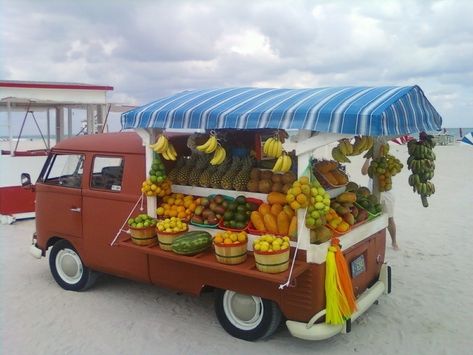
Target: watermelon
{"type": "Point", "coordinates": [191, 243]}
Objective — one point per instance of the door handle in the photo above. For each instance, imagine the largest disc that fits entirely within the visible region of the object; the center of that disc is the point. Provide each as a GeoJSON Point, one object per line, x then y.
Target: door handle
{"type": "Point", "coordinates": [75, 209]}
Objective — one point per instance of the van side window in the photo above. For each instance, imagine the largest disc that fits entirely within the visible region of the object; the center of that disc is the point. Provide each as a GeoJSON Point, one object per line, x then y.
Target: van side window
{"type": "Point", "coordinates": [107, 173]}
{"type": "Point", "coordinates": [65, 170]}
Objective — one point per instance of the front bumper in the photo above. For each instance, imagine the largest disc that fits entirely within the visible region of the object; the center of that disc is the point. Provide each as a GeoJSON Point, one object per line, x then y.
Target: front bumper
{"type": "Point", "coordinates": [321, 331]}
{"type": "Point", "coordinates": [34, 250]}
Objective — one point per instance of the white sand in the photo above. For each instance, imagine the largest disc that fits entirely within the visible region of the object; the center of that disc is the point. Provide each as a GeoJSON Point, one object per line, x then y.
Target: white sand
{"type": "Point", "coordinates": [429, 312]}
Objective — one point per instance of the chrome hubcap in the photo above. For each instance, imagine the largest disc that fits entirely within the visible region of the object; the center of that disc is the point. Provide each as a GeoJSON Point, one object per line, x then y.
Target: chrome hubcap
{"type": "Point", "coordinates": [69, 266]}
{"type": "Point", "coordinates": [243, 311]}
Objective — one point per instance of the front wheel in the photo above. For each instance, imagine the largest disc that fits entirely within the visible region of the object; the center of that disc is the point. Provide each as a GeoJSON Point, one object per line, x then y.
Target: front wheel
{"type": "Point", "coordinates": [246, 317]}
{"type": "Point", "coordinates": [67, 268]}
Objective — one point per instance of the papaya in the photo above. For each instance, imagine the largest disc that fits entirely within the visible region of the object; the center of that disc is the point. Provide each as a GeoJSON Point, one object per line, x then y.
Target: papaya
{"type": "Point", "coordinates": [275, 209]}
{"type": "Point", "coordinates": [270, 223]}
{"type": "Point", "coordinates": [340, 177]}
{"type": "Point", "coordinates": [264, 208]}
{"type": "Point", "coordinates": [330, 178]}
{"type": "Point", "coordinates": [276, 197]}
{"type": "Point", "coordinates": [346, 197]}
{"type": "Point", "coordinates": [292, 233]}
{"type": "Point", "coordinates": [257, 220]}
{"type": "Point", "coordinates": [283, 223]}
{"type": "Point", "coordinates": [289, 211]}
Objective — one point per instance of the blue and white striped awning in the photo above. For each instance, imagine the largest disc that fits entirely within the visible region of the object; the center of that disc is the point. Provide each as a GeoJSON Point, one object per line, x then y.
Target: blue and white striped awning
{"type": "Point", "coordinates": [374, 111]}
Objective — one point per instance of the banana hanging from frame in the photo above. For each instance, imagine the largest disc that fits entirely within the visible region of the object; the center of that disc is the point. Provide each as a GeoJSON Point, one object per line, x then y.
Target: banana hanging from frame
{"type": "Point", "coordinates": [210, 145]}
{"type": "Point", "coordinates": [161, 144]}
{"type": "Point", "coordinates": [170, 153]}
{"type": "Point", "coordinates": [283, 163]}
{"type": "Point", "coordinates": [219, 155]}
{"type": "Point", "coordinates": [272, 147]}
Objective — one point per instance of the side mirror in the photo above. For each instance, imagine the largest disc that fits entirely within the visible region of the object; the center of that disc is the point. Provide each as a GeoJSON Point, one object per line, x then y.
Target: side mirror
{"type": "Point", "coordinates": [26, 181]}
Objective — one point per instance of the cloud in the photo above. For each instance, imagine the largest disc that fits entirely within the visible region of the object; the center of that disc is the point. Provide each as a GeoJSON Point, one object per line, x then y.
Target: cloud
{"type": "Point", "coordinates": [148, 49]}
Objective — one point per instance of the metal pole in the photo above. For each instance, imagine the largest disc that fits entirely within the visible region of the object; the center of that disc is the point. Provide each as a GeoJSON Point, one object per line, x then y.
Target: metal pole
{"type": "Point", "coordinates": [48, 129]}
{"type": "Point", "coordinates": [10, 130]}
{"type": "Point", "coordinates": [69, 122]}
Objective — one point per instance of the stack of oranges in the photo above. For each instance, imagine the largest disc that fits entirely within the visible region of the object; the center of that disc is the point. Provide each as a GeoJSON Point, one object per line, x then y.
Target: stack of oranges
{"type": "Point", "coordinates": [228, 237]}
{"type": "Point", "coordinates": [177, 205]}
{"type": "Point", "coordinates": [298, 196]}
{"type": "Point", "coordinates": [336, 222]}
{"type": "Point", "coordinates": [150, 188]}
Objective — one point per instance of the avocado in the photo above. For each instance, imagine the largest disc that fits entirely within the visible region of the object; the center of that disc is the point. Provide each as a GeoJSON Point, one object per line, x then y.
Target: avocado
{"type": "Point", "coordinates": [228, 216]}
{"type": "Point", "coordinates": [232, 206]}
{"type": "Point", "coordinates": [240, 200]}
{"type": "Point", "coordinates": [241, 217]}
{"type": "Point", "coordinates": [241, 208]}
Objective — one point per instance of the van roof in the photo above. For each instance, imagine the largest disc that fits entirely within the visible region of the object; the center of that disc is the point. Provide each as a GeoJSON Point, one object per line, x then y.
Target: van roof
{"type": "Point", "coordinates": [121, 142]}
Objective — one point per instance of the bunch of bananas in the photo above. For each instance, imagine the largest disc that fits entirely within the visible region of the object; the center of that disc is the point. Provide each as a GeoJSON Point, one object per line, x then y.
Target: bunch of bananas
{"type": "Point", "coordinates": [383, 169]}
{"type": "Point", "coordinates": [164, 147]}
{"type": "Point", "coordinates": [170, 153]}
{"type": "Point", "coordinates": [421, 163]}
{"type": "Point", "coordinates": [161, 144]}
{"type": "Point", "coordinates": [219, 155]}
{"type": "Point", "coordinates": [345, 148]}
{"type": "Point", "coordinates": [272, 147]}
{"type": "Point", "coordinates": [283, 163]}
{"type": "Point", "coordinates": [210, 145]}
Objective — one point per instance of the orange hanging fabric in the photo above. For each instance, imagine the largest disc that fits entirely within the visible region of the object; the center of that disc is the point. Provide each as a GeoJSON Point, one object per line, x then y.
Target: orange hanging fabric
{"type": "Point", "coordinates": [340, 300]}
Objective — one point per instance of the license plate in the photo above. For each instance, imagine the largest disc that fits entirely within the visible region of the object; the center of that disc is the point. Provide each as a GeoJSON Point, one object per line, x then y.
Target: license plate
{"type": "Point", "coordinates": [358, 266]}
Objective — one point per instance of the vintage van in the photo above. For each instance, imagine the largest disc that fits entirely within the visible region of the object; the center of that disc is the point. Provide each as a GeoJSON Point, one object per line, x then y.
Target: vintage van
{"type": "Point", "coordinates": [86, 190]}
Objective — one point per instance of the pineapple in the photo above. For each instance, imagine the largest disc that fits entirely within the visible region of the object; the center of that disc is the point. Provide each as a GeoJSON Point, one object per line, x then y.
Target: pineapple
{"type": "Point", "coordinates": [242, 177]}
{"type": "Point", "coordinates": [175, 171]}
{"type": "Point", "coordinates": [183, 174]}
{"type": "Point", "coordinates": [199, 168]}
{"type": "Point", "coordinates": [215, 180]}
{"type": "Point", "coordinates": [207, 174]}
{"type": "Point", "coordinates": [227, 179]}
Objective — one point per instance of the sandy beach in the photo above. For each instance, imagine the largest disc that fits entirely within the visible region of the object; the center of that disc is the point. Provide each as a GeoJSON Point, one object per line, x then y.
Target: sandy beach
{"type": "Point", "coordinates": [430, 310]}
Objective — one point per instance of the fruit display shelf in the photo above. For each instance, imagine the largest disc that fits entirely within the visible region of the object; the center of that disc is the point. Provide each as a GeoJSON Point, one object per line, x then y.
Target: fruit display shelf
{"type": "Point", "coordinates": [318, 252]}
{"type": "Point", "coordinates": [207, 259]}
{"type": "Point", "coordinates": [205, 191]}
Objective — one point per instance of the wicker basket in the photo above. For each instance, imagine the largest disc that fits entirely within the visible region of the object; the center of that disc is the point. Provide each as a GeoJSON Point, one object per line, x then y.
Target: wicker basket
{"type": "Point", "coordinates": [165, 239]}
{"type": "Point", "coordinates": [143, 236]}
{"type": "Point", "coordinates": [272, 262]}
{"type": "Point", "coordinates": [231, 254]}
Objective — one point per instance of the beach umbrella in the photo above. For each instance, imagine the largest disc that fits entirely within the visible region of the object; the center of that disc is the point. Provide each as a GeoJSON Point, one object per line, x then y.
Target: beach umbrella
{"type": "Point", "coordinates": [468, 138]}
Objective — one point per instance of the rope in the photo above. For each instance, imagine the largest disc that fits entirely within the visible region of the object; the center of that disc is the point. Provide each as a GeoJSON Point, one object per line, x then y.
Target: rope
{"type": "Point", "coordinates": [307, 171]}
{"type": "Point", "coordinates": [287, 283]}
{"type": "Point", "coordinates": [126, 220]}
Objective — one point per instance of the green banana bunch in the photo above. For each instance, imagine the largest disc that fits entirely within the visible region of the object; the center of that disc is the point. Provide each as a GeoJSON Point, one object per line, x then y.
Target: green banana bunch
{"type": "Point", "coordinates": [339, 156]}
{"type": "Point", "coordinates": [421, 163]}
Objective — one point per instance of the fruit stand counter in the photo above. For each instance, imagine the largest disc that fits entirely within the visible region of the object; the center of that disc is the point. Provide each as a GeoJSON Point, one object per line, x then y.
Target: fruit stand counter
{"type": "Point", "coordinates": [207, 260]}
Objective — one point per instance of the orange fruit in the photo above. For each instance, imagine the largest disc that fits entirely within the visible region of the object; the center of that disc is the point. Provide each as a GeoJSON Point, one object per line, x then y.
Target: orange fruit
{"type": "Point", "coordinates": [304, 180]}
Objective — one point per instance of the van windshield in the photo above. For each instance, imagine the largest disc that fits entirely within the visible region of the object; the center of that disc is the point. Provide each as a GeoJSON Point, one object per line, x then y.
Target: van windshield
{"type": "Point", "coordinates": [64, 170]}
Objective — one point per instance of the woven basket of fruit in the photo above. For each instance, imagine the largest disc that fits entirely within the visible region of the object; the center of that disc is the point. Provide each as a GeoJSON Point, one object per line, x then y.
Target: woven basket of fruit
{"type": "Point", "coordinates": [271, 253]}
{"type": "Point", "coordinates": [142, 230]}
{"type": "Point", "coordinates": [168, 229]}
{"type": "Point", "coordinates": [230, 248]}
{"type": "Point", "coordinates": [143, 236]}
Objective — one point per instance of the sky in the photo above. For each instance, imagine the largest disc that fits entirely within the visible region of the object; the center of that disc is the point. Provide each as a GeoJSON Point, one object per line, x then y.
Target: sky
{"type": "Point", "coordinates": [150, 49]}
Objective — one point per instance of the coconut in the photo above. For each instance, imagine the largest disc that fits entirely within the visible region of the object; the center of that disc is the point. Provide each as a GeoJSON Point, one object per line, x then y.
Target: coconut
{"type": "Point", "coordinates": [253, 186]}
{"type": "Point", "coordinates": [264, 186]}
{"type": "Point", "coordinates": [289, 177]}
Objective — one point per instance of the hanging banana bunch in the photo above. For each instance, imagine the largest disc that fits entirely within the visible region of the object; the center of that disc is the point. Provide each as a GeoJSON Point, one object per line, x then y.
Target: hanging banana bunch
{"type": "Point", "coordinates": [161, 144]}
{"type": "Point", "coordinates": [210, 146]}
{"type": "Point", "coordinates": [345, 148]}
{"type": "Point", "coordinates": [283, 163]}
{"type": "Point", "coordinates": [170, 153]}
{"type": "Point", "coordinates": [272, 147]}
{"type": "Point", "coordinates": [164, 147]}
{"type": "Point", "coordinates": [219, 155]}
